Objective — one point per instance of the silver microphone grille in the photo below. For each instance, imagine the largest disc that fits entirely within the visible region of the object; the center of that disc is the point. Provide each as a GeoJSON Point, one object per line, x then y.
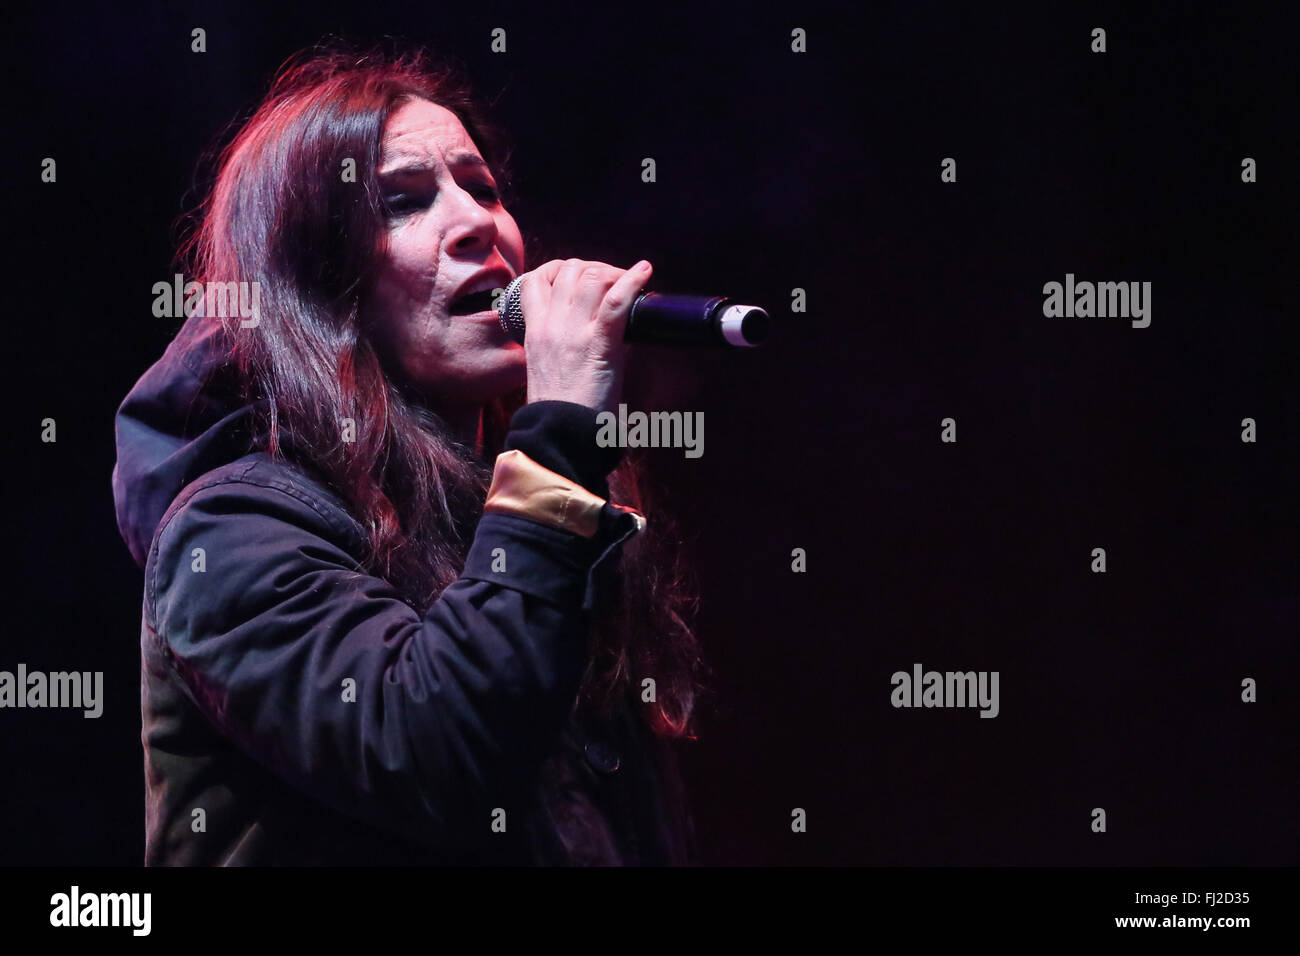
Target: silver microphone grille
{"type": "Point", "coordinates": [511, 310]}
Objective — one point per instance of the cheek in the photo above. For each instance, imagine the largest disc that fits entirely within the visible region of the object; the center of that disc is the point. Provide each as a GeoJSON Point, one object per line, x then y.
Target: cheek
{"type": "Point", "coordinates": [511, 243]}
{"type": "Point", "coordinates": [403, 290]}
{"type": "Point", "coordinates": [410, 269]}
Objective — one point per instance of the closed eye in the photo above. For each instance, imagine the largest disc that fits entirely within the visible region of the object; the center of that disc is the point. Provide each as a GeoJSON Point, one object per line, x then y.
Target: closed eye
{"type": "Point", "coordinates": [402, 204]}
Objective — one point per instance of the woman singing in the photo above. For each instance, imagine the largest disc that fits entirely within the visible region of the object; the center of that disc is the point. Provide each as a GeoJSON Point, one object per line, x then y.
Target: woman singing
{"type": "Point", "coordinates": [399, 605]}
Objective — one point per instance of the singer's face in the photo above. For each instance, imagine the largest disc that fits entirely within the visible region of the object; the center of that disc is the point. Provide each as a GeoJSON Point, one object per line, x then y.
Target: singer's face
{"type": "Point", "coordinates": [445, 227]}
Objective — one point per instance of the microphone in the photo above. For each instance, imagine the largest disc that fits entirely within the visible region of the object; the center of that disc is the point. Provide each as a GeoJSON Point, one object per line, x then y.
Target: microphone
{"type": "Point", "coordinates": [658, 319]}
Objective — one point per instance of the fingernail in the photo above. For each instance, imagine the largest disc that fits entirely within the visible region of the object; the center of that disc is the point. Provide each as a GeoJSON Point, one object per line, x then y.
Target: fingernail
{"type": "Point", "coordinates": [643, 265]}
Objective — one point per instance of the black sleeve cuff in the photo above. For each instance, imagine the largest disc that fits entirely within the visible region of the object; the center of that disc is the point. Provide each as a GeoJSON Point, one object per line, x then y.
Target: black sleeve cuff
{"type": "Point", "coordinates": [561, 436]}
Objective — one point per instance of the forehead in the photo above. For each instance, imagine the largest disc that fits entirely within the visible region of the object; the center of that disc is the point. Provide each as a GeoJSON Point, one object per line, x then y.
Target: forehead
{"type": "Point", "coordinates": [423, 132]}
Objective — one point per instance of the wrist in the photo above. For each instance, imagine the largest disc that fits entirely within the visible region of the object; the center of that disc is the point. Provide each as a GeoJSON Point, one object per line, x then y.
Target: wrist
{"type": "Point", "coordinates": [560, 435]}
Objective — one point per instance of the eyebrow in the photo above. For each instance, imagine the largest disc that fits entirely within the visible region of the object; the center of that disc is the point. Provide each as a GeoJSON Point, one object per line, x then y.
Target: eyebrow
{"type": "Point", "coordinates": [417, 166]}
{"type": "Point", "coordinates": [466, 159]}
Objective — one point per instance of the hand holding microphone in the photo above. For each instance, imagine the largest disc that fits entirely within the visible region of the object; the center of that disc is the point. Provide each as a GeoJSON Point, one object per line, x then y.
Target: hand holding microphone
{"type": "Point", "coordinates": [574, 341]}
{"type": "Point", "coordinates": [580, 314]}
{"type": "Point", "coordinates": [692, 320]}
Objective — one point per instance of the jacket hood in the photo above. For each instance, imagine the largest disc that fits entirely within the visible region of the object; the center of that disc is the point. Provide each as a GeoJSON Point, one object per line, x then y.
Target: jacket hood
{"type": "Point", "coordinates": [183, 418]}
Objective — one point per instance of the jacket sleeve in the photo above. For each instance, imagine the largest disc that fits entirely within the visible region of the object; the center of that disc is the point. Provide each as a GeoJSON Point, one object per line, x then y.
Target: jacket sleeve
{"type": "Point", "coordinates": [420, 724]}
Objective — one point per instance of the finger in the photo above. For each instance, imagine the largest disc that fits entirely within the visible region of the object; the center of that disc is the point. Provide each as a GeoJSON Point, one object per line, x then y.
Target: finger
{"type": "Point", "coordinates": [593, 283]}
{"type": "Point", "coordinates": [564, 288]}
{"type": "Point", "coordinates": [535, 288]}
{"type": "Point", "coordinates": [549, 269]}
{"type": "Point", "coordinates": [618, 300]}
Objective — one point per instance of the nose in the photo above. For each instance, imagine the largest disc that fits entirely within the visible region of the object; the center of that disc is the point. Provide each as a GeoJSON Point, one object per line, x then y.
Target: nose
{"type": "Point", "coordinates": [474, 227]}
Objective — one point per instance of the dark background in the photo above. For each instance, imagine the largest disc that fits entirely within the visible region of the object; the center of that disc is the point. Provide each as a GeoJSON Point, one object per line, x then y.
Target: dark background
{"type": "Point", "coordinates": [776, 171]}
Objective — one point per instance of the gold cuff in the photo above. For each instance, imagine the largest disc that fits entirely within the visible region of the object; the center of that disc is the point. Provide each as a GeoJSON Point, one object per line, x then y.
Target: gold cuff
{"type": "Point", "coordinates": [520, 486]}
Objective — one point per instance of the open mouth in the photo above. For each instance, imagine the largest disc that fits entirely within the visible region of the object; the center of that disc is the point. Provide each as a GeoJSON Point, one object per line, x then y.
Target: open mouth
{"type": "Point", "coordinates": [473, 303]}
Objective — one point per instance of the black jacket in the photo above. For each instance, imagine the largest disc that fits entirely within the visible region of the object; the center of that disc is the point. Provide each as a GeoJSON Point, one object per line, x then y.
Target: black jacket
{"type": "Point", "coordinates": [296, 711]}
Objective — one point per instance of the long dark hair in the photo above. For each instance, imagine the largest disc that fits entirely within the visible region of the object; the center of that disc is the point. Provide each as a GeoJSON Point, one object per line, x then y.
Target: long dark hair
{"type": "Point", "coordinates": [281, 214]}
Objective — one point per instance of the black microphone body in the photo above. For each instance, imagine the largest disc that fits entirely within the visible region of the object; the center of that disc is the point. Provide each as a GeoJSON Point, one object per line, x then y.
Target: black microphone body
{"type": "Point", "coordinates": [659, 319]}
